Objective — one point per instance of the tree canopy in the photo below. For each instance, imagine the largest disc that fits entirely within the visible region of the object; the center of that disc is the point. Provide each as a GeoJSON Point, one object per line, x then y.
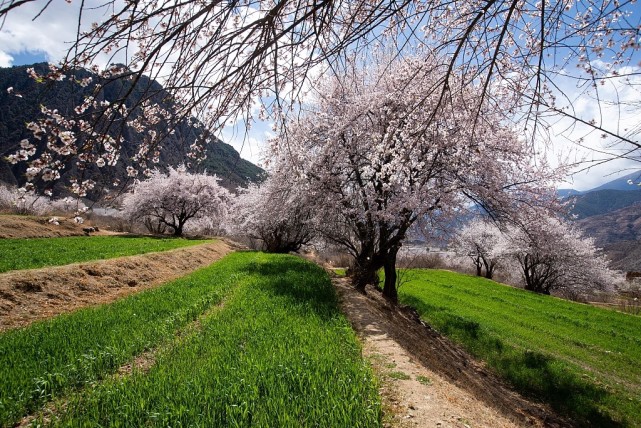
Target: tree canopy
{"type": "Point", "coordinates": [256, 58]}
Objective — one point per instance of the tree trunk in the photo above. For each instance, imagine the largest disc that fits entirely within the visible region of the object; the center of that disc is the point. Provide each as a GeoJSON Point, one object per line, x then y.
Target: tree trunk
{"type": "Point", "coordinates": [364, 272]}
{"type": "Point", "coordinates": [389, 288]}
{"type": "Point", "coordinates": [178, 230]}
{"type": "Point", "coordinates": [489, 268]}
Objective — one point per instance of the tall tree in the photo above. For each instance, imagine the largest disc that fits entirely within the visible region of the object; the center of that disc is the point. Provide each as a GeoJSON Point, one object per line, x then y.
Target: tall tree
{"type": "Point", "coordinates": [376, 154]}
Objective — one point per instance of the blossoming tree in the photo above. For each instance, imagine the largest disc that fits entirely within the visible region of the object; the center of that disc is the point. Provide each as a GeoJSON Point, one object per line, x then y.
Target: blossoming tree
{"type": "Point", "coordinates": [375, 157]}
{"type": "Point", "coordinates": [172, 200]}
{"type": "Point", "coordinates": [479, 240]}
{"type": "Point", "coordinates": [553, 255]}
{"type": "Point", "coordinates": [276, 212]}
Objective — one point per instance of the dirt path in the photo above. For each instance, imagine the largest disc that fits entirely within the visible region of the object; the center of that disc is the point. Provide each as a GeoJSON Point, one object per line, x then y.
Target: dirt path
{"type": "Point", "coordinates": [428, 381]}
{"type": "Point", "coordinates": [30, 295]}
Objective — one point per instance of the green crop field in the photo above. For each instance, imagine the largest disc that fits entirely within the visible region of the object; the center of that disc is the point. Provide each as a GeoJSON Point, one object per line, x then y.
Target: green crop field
{"type": "Point", "coordinates": [585, 361]}
{"type": "Point", "coordinates": [39, 252]}
{"type": "Point", "coordinates": [269, 348]}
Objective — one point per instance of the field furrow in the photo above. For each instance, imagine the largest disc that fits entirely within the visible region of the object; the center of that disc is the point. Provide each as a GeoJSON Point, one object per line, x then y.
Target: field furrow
{"type": "Point", "coordinates": [49, 358]}
{"type": "Point", "coordinates": [277, 353]}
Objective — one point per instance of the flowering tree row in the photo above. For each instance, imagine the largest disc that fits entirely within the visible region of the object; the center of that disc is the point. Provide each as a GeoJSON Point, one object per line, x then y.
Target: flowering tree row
{"type": "Point", "coordinates": [19, 201]}
{"type": "Point", "coordinates": [550, 254]}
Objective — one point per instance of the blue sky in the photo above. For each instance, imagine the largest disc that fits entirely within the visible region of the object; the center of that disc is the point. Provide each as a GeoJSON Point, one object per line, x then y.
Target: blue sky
{"type": "Point", "coordinates": [26, 57]}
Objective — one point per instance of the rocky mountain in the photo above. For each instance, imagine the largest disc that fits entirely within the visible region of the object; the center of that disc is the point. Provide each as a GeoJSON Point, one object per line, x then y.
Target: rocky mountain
{"type": "Point", "coordinates": [621, 225]}
{"type": "Point", "coordinates": [603, 201]}
{"type": "Point", "coordinates": [621, 183]}
{"type": "Point", "coordinates": [625, 255]}
{"type": "Point", "coordinates": [619, 234]}
{"type": "Point", "coordinates": [221, 159]}
{"type": "Point", "coordinates": [608, 197]}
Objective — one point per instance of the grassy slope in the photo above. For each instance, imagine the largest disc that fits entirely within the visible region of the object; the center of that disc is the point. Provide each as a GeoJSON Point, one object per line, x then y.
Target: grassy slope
{"type": "Point", "coordinates": [584, 360]}
{"type": "Point", "coordinates": [277, 353]}
{"type": "Point", "coordinates": [35, 253]}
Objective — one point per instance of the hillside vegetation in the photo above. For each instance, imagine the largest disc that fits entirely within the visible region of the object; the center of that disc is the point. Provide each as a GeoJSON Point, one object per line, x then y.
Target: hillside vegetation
{"type": "Point", "coordinates": [583, 360]}
{"type": "Point", "coordinates": [15, 112]}
{"type": "Point", "coordinates": [253, 340]}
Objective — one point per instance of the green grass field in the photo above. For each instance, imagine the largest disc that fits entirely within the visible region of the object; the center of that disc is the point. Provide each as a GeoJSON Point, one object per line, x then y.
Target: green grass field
{"type": "Point", "coordinates": [585, 361]}
{"type": "Point", "coordinates": [40, 252]}
{"type": "Point", "coordinates": [276, 352]}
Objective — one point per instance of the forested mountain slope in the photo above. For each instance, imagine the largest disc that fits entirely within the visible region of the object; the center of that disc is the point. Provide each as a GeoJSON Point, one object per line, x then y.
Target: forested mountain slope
{"type": "Point", "coordinates": [16, 111]}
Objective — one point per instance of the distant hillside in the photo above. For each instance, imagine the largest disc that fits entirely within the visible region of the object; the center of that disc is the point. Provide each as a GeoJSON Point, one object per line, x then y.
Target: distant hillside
{"type": "Point", "coordinates": [619, 234]}
{"type": "Point", "coordinates": [564, 193]}
{"type": "Point", "coordinates": [602, 201]}
{"type": "Point", "coordinates": [621, 183]}
{"type": "Point", "coordinates": [620, 225]}
{"type": "Point", "coordinates": [222, 159]}
{"type": "Point", "coordinates": [625, 255]}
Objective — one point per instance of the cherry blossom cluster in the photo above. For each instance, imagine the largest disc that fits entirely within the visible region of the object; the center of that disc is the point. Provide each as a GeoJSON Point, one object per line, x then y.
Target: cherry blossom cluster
{"type": "Point", "coordinates": [275, 212]}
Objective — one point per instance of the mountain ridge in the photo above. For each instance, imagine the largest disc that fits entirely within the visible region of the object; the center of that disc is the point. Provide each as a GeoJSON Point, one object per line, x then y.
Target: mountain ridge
{"type": "Point", "coordinates": [221, 158]}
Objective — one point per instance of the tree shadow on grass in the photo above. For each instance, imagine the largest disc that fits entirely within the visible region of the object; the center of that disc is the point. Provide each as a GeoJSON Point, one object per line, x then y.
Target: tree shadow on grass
{"type": "Point", "coordinates": [305, 285]}
{"type": "Point", "coordinates": [532, 373]}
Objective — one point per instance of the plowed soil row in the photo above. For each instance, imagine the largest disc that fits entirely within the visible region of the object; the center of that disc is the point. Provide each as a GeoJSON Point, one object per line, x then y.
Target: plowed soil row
{"type": "Point", "coordinates": [20, 226]}
{"type": "Point", "coordinates": [30, 295]}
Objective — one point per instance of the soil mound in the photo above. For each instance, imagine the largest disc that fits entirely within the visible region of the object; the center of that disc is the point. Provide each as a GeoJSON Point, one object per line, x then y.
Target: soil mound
{"type": "Point", "coordinates": [20, 226]}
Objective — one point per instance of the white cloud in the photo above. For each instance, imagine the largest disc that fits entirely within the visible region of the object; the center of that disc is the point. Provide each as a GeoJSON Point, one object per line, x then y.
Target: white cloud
{"type": "Point", "coordinates": [5, 59]}
{"type": "Point", "coordinates": [48, 33]}
{"type": "Point", "coordinates": [28, 28]}
{"type": "Point", "coordinates": [615, 108]}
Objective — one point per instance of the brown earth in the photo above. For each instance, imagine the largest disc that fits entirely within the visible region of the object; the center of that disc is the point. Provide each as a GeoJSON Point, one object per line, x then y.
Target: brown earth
{"type": "Point", "coordinates": [427, 380]}
{"type": "Point", "coordinates": [20, 226]}
{"type": "Point", "coordinates": [30, 295]}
